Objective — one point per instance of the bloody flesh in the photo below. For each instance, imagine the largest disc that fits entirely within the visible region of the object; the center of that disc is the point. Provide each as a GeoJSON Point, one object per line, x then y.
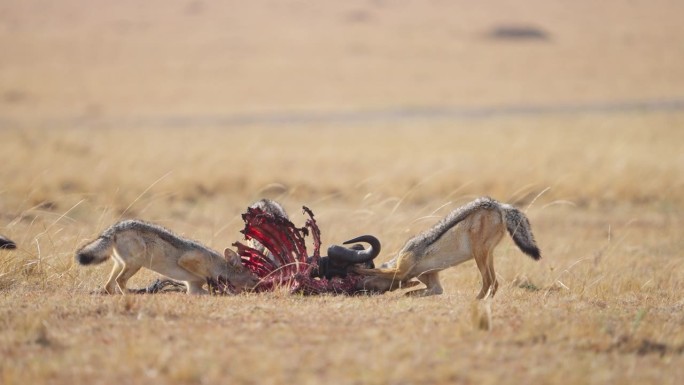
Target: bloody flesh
{"type": "Point", "coordinates": [291, 266]}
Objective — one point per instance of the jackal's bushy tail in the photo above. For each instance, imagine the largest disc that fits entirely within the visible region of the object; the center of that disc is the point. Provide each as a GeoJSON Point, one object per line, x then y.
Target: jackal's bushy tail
{"type": "Point", "coordinates": [95, 252]}
{"type": "Point", "coordinates": [519, 228]}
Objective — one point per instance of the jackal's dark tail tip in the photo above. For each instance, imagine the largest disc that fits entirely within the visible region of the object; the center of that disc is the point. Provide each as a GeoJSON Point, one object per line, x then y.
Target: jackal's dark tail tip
{"type": "Point", "coordinates": [527, 244]}
{"type": "Point", "coordinates": [519, 228]}
{"type": "Point", "coordinates": [84, 258]}
{"type": "Point", "coordinates": [6, 244]}
{"type": "Point", "coordinates": [533, 252]}
{"type": "Point", "coordinates": [94, 252]}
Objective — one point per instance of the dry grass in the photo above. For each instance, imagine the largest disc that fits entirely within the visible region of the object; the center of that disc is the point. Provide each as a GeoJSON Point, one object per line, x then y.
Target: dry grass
{"type": "Point", "coordinates": [603, 190]}
{"type": "Point", "coordinates": [604, 304]}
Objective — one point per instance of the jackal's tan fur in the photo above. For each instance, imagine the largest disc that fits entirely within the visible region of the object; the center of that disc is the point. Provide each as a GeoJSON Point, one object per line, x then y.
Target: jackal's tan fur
{"type": "Point", "coordinates": [134, 244]}
{"type": "Point", "coordinates": [471, 231]}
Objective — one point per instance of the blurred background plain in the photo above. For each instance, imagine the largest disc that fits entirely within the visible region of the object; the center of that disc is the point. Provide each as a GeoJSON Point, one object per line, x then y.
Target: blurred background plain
{"type": "Point", "coordinates": [195, 63]}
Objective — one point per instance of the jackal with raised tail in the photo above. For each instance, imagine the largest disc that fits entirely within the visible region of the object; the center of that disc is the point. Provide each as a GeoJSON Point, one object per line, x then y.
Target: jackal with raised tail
{"type": "Point", "coordinates": [134, 244]}
{"type": "Point", "coordinates": [471, 231]}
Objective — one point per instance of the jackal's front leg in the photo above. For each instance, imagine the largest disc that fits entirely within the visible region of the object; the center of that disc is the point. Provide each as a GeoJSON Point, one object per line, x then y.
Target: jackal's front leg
{"type": "Point", "coordinates": [432, 285]}
{"type": "Point", "coordinates": [198, 266]}
{"type": "Point", "coordinates": [398, 271]}
{"type": "Point", "coordinates": [195, 288]}
{"type": "Point", "coordinates": [382, 273]}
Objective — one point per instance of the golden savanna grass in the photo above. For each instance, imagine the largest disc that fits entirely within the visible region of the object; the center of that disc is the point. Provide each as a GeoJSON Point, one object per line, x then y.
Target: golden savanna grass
{"type": "Point", "coordinates": [604, 304]}
{"type": "Point", "coordinates": [115, 111]}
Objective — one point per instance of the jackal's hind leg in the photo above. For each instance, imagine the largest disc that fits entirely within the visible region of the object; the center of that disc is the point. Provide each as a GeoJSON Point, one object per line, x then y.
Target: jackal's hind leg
{"type": "Point", "coordinates": [129, 270]}
{"type": "Point", "coordinates": [490, 268]}
{"type": "Point", "coordinates": [485, 263]}
{"type": "Point", "coordinates": [432, 285]}
{"type": "Point", "coordinates": [110, 286]}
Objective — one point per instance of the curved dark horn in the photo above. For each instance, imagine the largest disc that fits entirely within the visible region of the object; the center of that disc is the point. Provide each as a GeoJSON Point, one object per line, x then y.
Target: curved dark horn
{"type": "Point", "coordinates": [356, 256]}
{"type": "Point", "coordinates": [371, 240]}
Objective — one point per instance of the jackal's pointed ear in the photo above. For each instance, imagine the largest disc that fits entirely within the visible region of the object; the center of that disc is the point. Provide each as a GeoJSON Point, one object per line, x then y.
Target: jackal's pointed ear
{"type": "Point", "coordinates": [231, 257]}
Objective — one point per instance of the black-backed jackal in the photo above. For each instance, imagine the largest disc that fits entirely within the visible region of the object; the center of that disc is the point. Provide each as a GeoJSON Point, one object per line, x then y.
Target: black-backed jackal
{"type": "Point", "coordinates": [134, 244]}
{"type": "Point", "coordinates": [470, 231]}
